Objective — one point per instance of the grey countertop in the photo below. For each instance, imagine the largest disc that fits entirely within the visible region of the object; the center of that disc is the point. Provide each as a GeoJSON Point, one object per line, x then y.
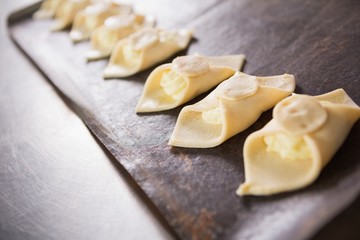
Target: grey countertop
{"type": "Point", "coordinates": [58, 182]}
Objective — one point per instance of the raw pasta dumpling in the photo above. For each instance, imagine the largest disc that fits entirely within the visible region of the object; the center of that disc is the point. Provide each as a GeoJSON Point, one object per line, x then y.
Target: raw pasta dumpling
{"type": "Point", "coordinates": [47, 9]}
{"type": "Point", "coordinates": [171, 85]}
{"type": "Point", "coordinates": [304, 134]}
{"type": "Point", "coordinates": [115, 28]}
{"type": "Point", "coordinates": [65, 13]}
{"type": "Point", "coordinates": [229, 109]}
{"type": "Point", "coordinates": [144, 49]}
{"type": "Point", "coordinates": [93, 16]}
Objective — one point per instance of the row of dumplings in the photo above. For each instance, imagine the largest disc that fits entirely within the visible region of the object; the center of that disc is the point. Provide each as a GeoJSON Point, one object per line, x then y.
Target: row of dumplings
{"type": "Point", "coordinates": [113, 29]}
{"type": "Point", "coordinates": [287, 154]}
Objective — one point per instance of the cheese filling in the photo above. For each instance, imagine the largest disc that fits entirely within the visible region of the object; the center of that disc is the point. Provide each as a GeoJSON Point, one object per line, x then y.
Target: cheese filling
{"type": "Point", "coordinates": [91, 23]}
{"type": "Point", "coordinates": [106, 40]}
{"type": "Point", "coordinates": [131, 56]}
{"type": "Point", "coordinates": [288, 147]}
{"type": "Point", "coordinates": [173, 84]}
{"type": "Point", "coordinates": [212, 116]}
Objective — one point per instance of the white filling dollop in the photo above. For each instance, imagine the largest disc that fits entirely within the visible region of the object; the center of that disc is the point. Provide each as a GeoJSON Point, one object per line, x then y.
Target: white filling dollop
{"type": "Point", "coordinates": [131, 56]}
{"type": "Point", "coordinates": [287, 146]}
{"type": "Point", "coordinates": [212, 116]}
{"type": "Point", "coordinates": [173, 84]}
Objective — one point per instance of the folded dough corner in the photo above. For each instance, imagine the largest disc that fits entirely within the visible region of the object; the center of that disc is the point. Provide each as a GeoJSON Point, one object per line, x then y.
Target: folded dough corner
{"type": "Point", "coordinates": [47, 9]}
{"type": "Point", "coordinates": [171, 85]}
{"type": "Point", "coordinates": [66, 12]}
{"type": "Point", "coordinates": [292, 149]}
{"type": "Point", "coordinates": [144, 49]}
{"type": "Point", "coordinates": [231, 108]}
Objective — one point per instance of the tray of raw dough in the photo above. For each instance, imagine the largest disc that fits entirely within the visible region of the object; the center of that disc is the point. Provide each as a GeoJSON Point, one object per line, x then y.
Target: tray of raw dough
{"type": "Point", "coordinates": [195, 188]}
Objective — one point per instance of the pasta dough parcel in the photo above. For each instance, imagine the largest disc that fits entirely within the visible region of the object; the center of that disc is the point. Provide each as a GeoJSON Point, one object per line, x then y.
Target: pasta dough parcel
{"type": "Point", "coordinates": [65, 14]}
{"type": "Point", "coordinates": [115, 28]}
{"type": "Point", "coordinates": [93, 16]}
{"type": "Point", "coordinates": [171, 85]}
{"type": "Point", "coordinates": [144, 49]}
{"type": "Point", "coordinates": [47, 9]}
{"type": "Point", "coordinates": [291, 150]}
{"type": "Point", "coordinates": [231, 108]}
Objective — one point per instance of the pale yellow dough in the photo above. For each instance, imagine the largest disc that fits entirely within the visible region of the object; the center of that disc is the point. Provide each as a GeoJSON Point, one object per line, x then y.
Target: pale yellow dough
{"type": "Point", "coordinates": [93, 16]}
{"type": "Point", "coordinates": [231, 108]}
{"type": "Point", "coordinates": [47, 9]}
{"type": "Point", "coordinates": [287, 155]}
{"type": "Point", "coordinates": [66, 12]}
{"type": "Point", "coordinates": [115, 28]}
{"type": "Point", "coordinates": [171, 85]}
{"type": "Point", "coordinates": [144, 49]}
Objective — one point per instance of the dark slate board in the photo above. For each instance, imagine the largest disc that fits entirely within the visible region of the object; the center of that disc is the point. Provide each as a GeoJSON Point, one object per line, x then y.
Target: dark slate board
{"type": "Point", "coordinates": [317, 41]}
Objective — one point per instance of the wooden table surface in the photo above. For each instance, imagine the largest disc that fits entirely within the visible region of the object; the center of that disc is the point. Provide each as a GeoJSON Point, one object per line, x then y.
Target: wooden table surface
{"type": "Point", "coordinates": [58, 182]}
